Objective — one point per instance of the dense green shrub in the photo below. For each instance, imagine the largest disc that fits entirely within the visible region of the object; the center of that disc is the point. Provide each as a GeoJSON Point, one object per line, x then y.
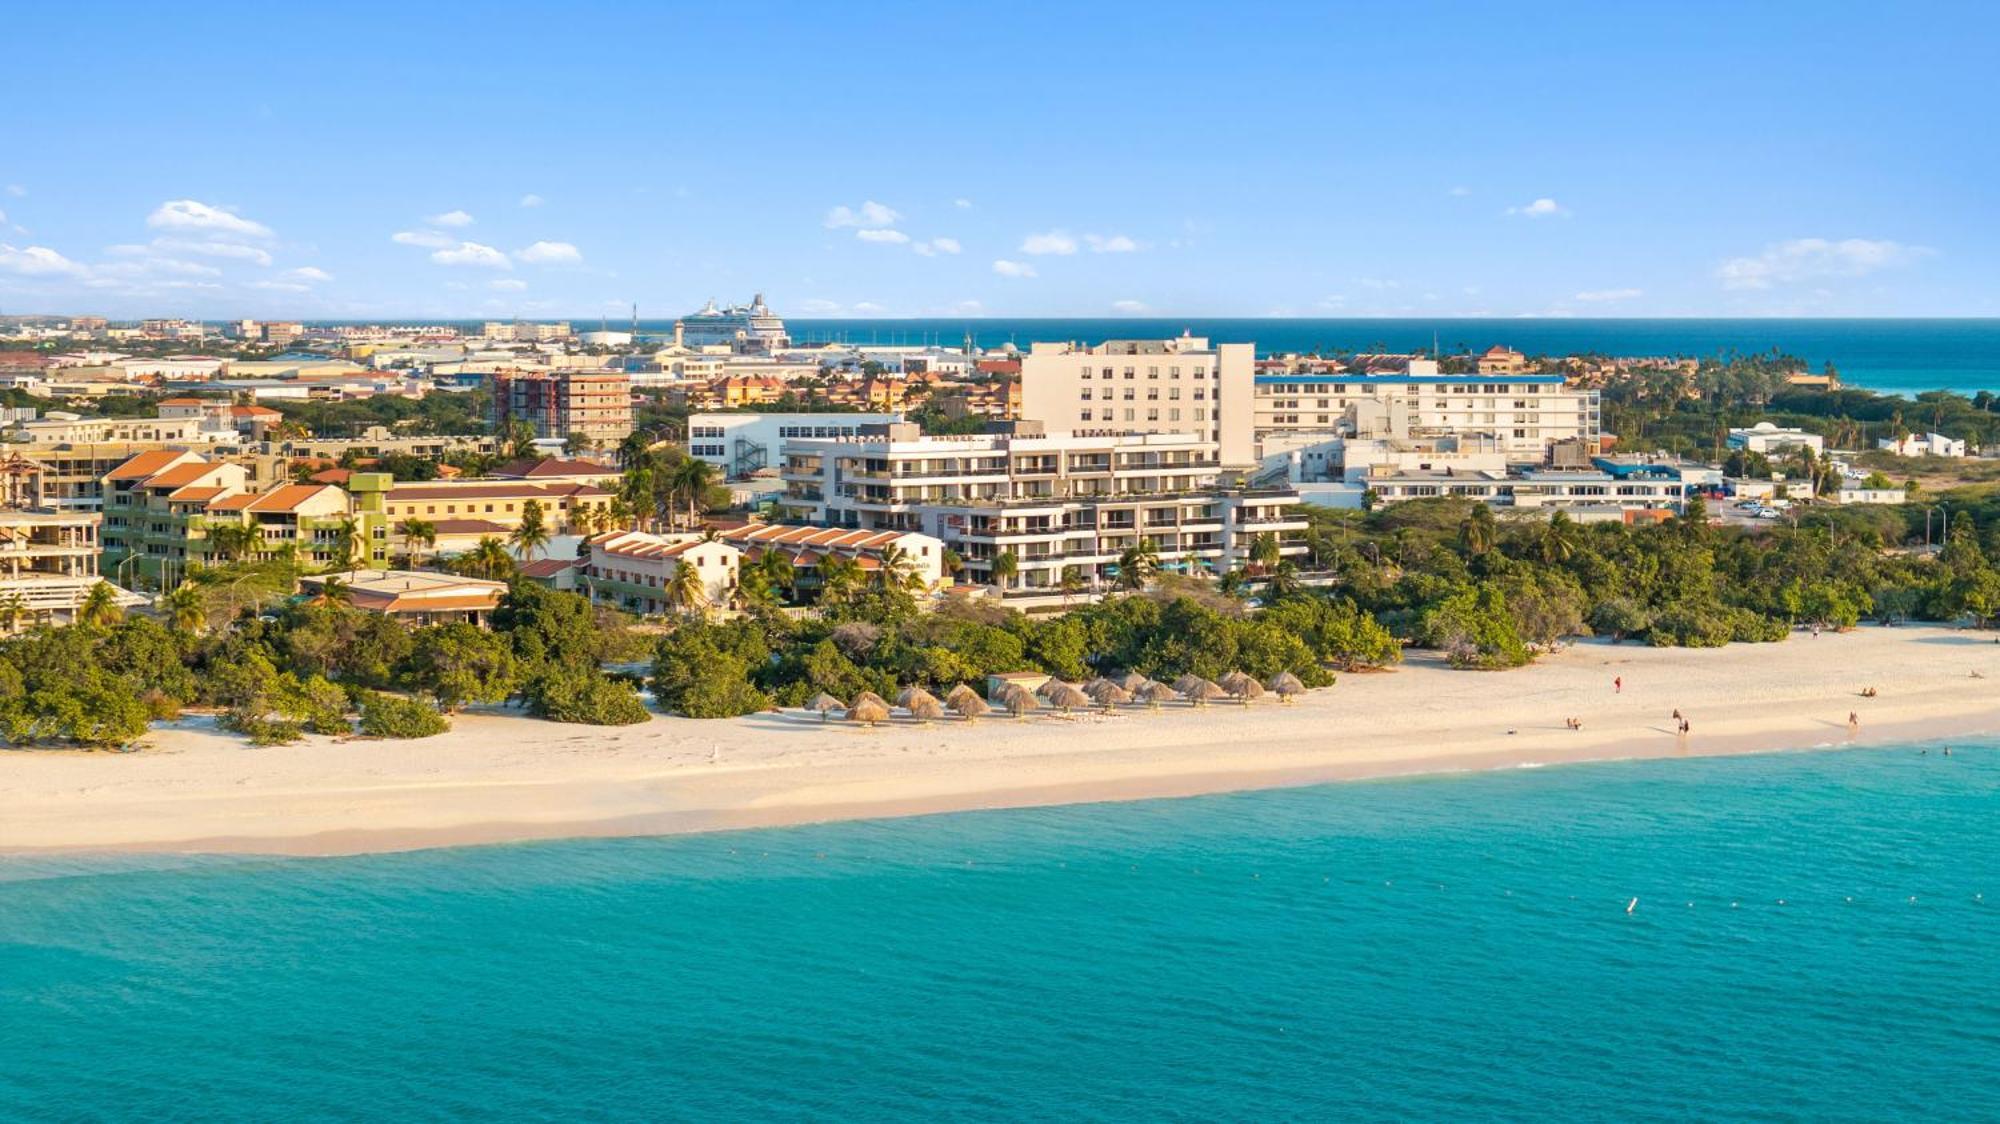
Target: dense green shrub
{"type": "Point", "coordinates": [391, 716]}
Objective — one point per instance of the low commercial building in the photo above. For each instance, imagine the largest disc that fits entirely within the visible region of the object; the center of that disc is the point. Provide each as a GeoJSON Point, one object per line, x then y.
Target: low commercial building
{"type": "Point", "coordinates": [1773, 440]}
{"type": "Point", "coordinates": [1923, 445]}
{"type": "Point", "coordinates": [742, 444]}
{"type": "Point", "coordinates": [68, 429]}
{"type": "Point", "coordinates": [632, 569]}
{"type": "Point", "coordinates": [1580, 492]}
{"type": "Point", "coordinates": [475, 509]}
{"type": "Point", "coordinates": [416, 597]}
{"type": "Point", "coordinates": [1050, 502]}
{"type": "Point", "coordinates": [920, 556]}
{"type": "Point", "coordinates": [1525, 413]}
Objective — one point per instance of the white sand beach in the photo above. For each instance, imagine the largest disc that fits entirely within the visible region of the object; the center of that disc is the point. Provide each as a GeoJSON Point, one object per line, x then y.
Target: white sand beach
{"type": "Point", "coordinates": [498, 777]}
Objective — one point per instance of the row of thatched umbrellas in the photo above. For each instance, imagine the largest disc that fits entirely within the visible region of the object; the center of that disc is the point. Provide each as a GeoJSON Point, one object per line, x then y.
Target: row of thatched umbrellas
{"type": "Point", "coordinates": [868, 708]}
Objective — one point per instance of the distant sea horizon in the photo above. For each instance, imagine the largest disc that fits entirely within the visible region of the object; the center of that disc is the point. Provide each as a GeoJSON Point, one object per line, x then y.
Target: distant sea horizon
{"type": "Point", "coordinates": [1894, 356]}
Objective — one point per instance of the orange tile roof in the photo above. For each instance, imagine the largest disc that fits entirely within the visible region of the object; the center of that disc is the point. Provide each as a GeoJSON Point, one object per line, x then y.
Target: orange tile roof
{"type": "Point", "coordinates": [288, 497]}
{"type": "Point", "coordinates": [146, 464]}
{"type": "Point", "coordinates": [237, 502]}
{"type": "Point", "coordinates": [493, 490]}
{"type": "Point", "coordinates": [196, 495]}
{"type": "Point", "coordinates": [180, 475]}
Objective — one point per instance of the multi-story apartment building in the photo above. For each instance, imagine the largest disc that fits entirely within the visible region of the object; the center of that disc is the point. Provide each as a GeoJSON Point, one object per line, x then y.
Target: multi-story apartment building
{"type": "Point", "coordinates": [597, 404]}
{"type": "Point", "coordinates": [1051, 500]}
{"type": "Point", "coordinates": [162, 507]}
{"type": "Point", "coordinates": [48, 558]}
{"type": "Point", "coordinates": [283, 332]}
{"type": "Point", "coordinates": [743, 443]}
{"type": "Point", "coordinates": [71, 477]}
{"type": "Point", "coordinates": [101, 431]}
{"type": "Point", "coordinates": [500, 331]}
{"type": "Point", "coordinates": [1525, 412]}
{"type": "Point", "coordinates": [1146, 386]}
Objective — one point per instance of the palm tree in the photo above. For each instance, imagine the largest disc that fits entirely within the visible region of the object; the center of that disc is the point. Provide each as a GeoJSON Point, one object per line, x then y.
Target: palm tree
{"type": "Point", "coordinates": [532, 536]}
{"type": "Point", "coordinates": [1136, 565]}
{"type": "Point", "coordinates": [232, 540]}
{"type": "Point", "coordinates": [13, 610]}
{"type": "Point", "coordinates": [1560, 539]}
{"type": "Point", "coordinates": [951, 562]}
{"type": "Point", "coordinates": [838, 578]}
{"type": "Point", "coordinates": [618, 514]}
{"type": "Point", "coordinates": [1004, 566]}
{"type": "Point", "coordinates": [334, 591]}
{"type": "Point", "coordinates": [186, 607]}
{"type": "Point", "coordinates": [100, 607]}
{"type": "Point", "coordinates": [899, 569]}
{"type": "Point", "coordinates": [488, 560]}
{"type": "Point", "coordinates": [1070, 582]}
{"type": "Point", "coordinates": [1477, 534]}
{"type": "Point", "coordinates": [691, 480]}
{"type": "Point", "coordinates": [1264, 551]}
{"type": "Point", "coordinates": [1284, 579]}
{"type": "Point", "coordinates": [417, 531]}
{"type": "Point", "coordinates": [684, 589]}
{"type": "Point", "coordinates": [346, 538]}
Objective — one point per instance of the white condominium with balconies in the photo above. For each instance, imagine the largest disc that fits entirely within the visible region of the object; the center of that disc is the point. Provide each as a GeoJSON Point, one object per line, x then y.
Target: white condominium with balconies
{"type": "Point", "coordinates": [1052, 500]}
{"type": "Point", "coordinates": [1526, 413]}
{"type": "Point", "coordinates": [1180, 385]}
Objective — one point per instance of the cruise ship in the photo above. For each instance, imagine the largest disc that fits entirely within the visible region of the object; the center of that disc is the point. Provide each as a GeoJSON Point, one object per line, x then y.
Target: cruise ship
{"type": "Point", "coordinates": [746, 329]}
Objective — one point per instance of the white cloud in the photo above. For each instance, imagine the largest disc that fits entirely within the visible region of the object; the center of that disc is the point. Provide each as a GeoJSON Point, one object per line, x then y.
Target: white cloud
{"type": "Point", "coordinates": [209, 249]}
{"type": "Point", "coordinates": [309, 273]}
{"type": "Point", "coordinates": [144, 267]}
{"type": "Point", "coordinates": [451, 219]}
{"type": "Point", "coordinates": [963, 205]}
{"type": "Point", "coordinates": [472, 254]}
{"type": "Point", "coordinates": [280, 286]}
{"type": "Point", "coordinates": [428, 239]}
{"type": "Point", "coordinates": [870, 213]}
{"type": "Point", "coordinates": [1110, 244]}
{"type": "Point", "coordinates": [1460, 191]}
{"type": "Point", "coordinates": [1603, 295]}
{"type": "Point", "coordinates": [550, 253]}
{"type": "Point", "coordinates": [38, 261]}
{"type": "Point", "coordinates": [1130, 308]}
{"type": "Point", "coordinates": [1049, 242]}
{"type": "Point", "coordinates": [1006, 268]}
{"type": "Point", "coordinates": [16, 190]}
{"type": "Point", "coordinates": [937, 246]}
{"type": "Point", "coordinates": [532, 200]}
{"type": "Point", "coordinates": [1539, 209]}
{"type": "Point", "coordinates": [508, 285]}
{"type": "Point", "coordinates": [890, 237]}
{"type": "Point", "coordinates": [187, 214]}
{"type": "Point", "coordinates": [1815, 259]}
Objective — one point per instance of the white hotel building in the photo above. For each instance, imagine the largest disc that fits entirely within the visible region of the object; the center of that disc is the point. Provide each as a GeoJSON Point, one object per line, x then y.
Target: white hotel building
{"type": "Point", "coordinates": [1146, 386]}
{"type": "Point", "coordinates": [1186, 385]}
{"type": "Point", "coordinates": [1054, 499]}
{"type": "Point", "coordinates": [1526, 413]}
{"type": "Point", "coordinates": [744, 442]}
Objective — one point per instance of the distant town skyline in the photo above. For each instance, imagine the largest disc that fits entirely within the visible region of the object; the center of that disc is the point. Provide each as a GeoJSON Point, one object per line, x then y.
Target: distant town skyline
{"type": "Point", "coordinates": [1427, 160]}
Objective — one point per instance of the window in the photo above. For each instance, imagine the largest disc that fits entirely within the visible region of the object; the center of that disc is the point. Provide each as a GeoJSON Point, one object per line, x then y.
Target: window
{"type": "Point", "coordinates": [1128, 413]}
{"type": "Point", "coordinates": [1153, 414]}
{"type": "Point", "coordinates": [1173, 415]}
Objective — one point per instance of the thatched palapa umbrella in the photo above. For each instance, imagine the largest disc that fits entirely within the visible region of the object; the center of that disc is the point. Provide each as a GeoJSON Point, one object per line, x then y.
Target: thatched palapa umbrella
{"type": "Point", "coordinates": [1153, 694]}
{"type": "Point", "coordinates": [1018, 700]}
{"type": "Point", "coordinates": [1242, 686]}
{"type": "Point", "coordinates": [925, 708]}
{"type": "Point", "coordinates": [868, 710]}
{"type": "Point", "coordinates": [1065, 696]}
{"type": "Point", "coordinates": [966, 703]}
{"type": "Point", "coordinates": [910, 694]}
{"type": "Point", "coordinates": [1286, 686]}
{"type": "Point", "coordinates": [1108, 694]}
{"type": "Point", "coordinates": [1132, 681]}
{"type": "Point", "coordinates": [870, 696]}
{"type": "Point", "coordinates": [825, 704]}
{"type": "Point", "coordinates": [1198, 691]}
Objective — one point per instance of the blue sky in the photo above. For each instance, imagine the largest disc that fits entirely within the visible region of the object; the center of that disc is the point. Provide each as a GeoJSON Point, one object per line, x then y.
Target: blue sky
{"type": "Point", "coordinates": [1403, 159]}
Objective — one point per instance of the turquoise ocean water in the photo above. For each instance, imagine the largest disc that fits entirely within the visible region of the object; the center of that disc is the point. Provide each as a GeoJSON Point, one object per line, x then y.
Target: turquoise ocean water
{"type": "Point", "coordinates": [1816, 937]}
{"type": "Point", "coordinates": [1893, 356]}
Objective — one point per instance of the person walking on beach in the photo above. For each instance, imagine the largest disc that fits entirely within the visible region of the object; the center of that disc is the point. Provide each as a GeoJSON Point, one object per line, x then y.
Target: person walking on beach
{"type": "Point", "coordinates": [1853, 720]}
{"type": "Point", "coordinates": [1618, 684]}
